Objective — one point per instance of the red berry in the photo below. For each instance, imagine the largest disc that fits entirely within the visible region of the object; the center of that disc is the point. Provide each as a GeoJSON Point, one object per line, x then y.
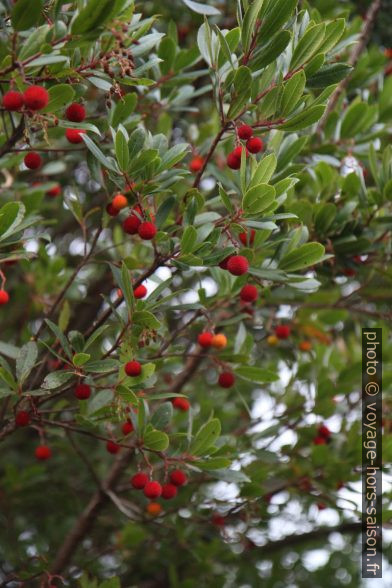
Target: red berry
{"type": "Point", "coordinates": [319, 441]}
{"type": "Point", "coordinates": [74, 135]}
{"type": "Point", "coordinates": [349, 272]}
{"type": "Point", "coordinates": [43, 452]}
{"type": "Point", "coordinates": [152, 489]}
{"type": "Point", "coordinates": [226, 380]}
{"type": "Point", "coordinates": [13, 100]}
{"type": "Point", "coordinates": [321, 505]}
{"type": "Point", "coordinates": [245, 132]}
{"type": "Point", "coordinates": [33, 160]}
{"type": "Point", "coordinates": [178, 477]}
{"type": "Point", "coordinates": [323, 431]}
{"type": "Point", "coordinates": [131, 224]}
{"type": "Point", "coordinates": [218, 520]}
{"type": "Point", "coordinates": [237, 265]}
{"type": "Point", "coordinates": [169, 491]}
{"type": "Point", "coordinates": [205, 339]}
{"type": "Point", "coordinates": [139, 480]}
{"type": "Point", "coordinates": [196, 164]}
{"type": "Point", "coordinates": [4, 297]}
{"type": "Point", "coordinates": [233, 161]}
{"type": "Point", "coordinates": [55, 191]}
{"type": "Point", "coordinates": [127, 428]}
{"type": "Point", "coordinates": [140, 291]}
{"type": "Point", "coordinates": [147, 231]}
{"type": "Point", "coordinates": [247, 237]}
{"type": "Point", "coordinates": [238, 151]}
{"type": "Point", "coordinates": [223, 263]}
{"type": "Point", "coordinates": [249, 293]}
{"type": "Point", "coordinates": [36, 97]}
{"type": "Point", "coordinates": [181, 403]}
{"type": "Point", "coordinates": [22, 418]}
{"type": "Point", "coordinates": [282, 331]}
{"type": "Point", "coordinates": [82, 391]}
{"type": "Point", "coordinates": [75, 112]}
{"type": "Point", "coordinates": [112, 447]}
{"type": "Point", "coordinates": [133, 368]}
{"type": "Point", "coordinates": [254, 144]}
{"type": "Point", "coordinates": [111, 210]}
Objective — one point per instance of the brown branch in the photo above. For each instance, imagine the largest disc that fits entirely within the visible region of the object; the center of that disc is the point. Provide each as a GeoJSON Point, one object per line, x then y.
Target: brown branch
{"type": "Point", "coordinates": [88, 517]}
{"type": "Point", "coordinates": [293, 540]}
{"type": "Point", "coordinates": [353, 60]}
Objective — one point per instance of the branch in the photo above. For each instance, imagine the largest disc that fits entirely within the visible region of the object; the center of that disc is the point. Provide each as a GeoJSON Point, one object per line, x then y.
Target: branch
{"type": "Point", "coordinates": [353, 60]}
{"type": "Point", "coordinates": [293, 540]}
{"type": "Point", "coordinates": [99, 500]}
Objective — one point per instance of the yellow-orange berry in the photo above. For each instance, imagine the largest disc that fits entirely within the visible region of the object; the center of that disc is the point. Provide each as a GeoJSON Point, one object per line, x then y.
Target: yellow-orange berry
{"type": "Point", "coordinates": [154, 508]}
{"type": "Point", "coordinates": [219, 341]}
{"type": "Point", "coordinates": [119, 202]}
{"type": "Point", "coordinates": [305, 346]}
{"type": "Point", "coordinates": [272, 340]}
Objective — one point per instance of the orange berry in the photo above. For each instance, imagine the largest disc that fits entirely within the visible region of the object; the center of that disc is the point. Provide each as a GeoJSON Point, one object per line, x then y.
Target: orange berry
{"type": "Point", "coordinates": [305, 346]}
{"type": "Point", "coordinates": [154, 509]}
{"type": "Point", "coordinates": [119, 202]}
{"type": "Point", "coordinates": [219, 341]}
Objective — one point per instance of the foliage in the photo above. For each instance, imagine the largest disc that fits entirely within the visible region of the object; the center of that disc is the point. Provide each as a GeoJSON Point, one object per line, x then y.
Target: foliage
{"type": "Point", "coordinates": [160, 89]}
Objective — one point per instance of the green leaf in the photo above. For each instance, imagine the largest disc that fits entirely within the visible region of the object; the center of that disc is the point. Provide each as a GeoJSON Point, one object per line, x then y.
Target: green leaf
{"type": "Point", "coordinates": [60, 336]}
{"type": "Point", "coordinates": [353, 120]}
{"type": "Point", "coordinates": [166, 52]}
{"type": "Point", "coordinates": [279, 13]}
{"type": "Point", "coordinates": [156, 440]}
{"type": "Point", "coordinates": [146, 319]}
{"type": "Point", "coordinates": [271, 51]}
{"type": "Point", "coordinates": [329, 74]}
{"type": "Point", "coordinates": [65, 315]}
{"type": "Point", "coordinates": [11, 215]}
{"type": "Point", "coordinates": [201, 8]}
{"type": "Point", "coordinates": [304, 256]}
{"type": "Point", "coordinates": [308, 45]}
{"type": "Point", "coordinates": [94, 14]}
{"type": "Point", "coordinates": [188, 240]}
{"type": "Point", "coordinates": [304, 119]}
{"type": "Point", "coordinates": [56, 379]}
{"type": "Point", "coordinates": [249, 22]}
{"type": "Point", "coordinates": [80, 359]}
{"type": "Point", "coordinates": [324, 217]}
{"type": "Point", "coordinates": [292, 93]}
{"type": "Point", "coordinates": [264, 171]}
{"type": "Point", "coordinates": [258, 198]}
{"type": "Point", "coordinates": [25, 361]}
{"type": "Point", "coordinates": [124, 108]}
{"type": "Point", "coordinates": [333, 33]}
{"type": "Point", "coordinates": [255, 374]}
{"type": "Point", "coordinates": [162, 416]}
{"type": "Point", "coordinates": [59, 96]}
{"type": "Point", "coordinates": [101, 366]}
{"type": "Point", "coordinates": [91, 146]}
{"type": "Point", "coordinates": [9, 350]}
{"type": "Point", "coordinates": [122, 152]}
{"type": "Point", "coordinates": [173, 156]}
{"type": "Point", "coordinates": [26, 14]}
{"type": "Point", "coordinates": [205, 437]}
{"type": "Point", "coordinates": [136, 142]}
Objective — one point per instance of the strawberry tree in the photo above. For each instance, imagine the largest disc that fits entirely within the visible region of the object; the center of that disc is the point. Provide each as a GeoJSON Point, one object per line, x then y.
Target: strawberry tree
{"type": "Point", "coordinates": [194, 225]}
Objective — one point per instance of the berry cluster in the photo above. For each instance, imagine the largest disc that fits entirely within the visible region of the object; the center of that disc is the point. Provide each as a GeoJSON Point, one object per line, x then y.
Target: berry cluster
{"type": "Point", "coordinates": [152, 489]}
{"type": "Point", "coordinates": [253, 145]}
{"type": "Point", "coordinates": [323, 435]}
